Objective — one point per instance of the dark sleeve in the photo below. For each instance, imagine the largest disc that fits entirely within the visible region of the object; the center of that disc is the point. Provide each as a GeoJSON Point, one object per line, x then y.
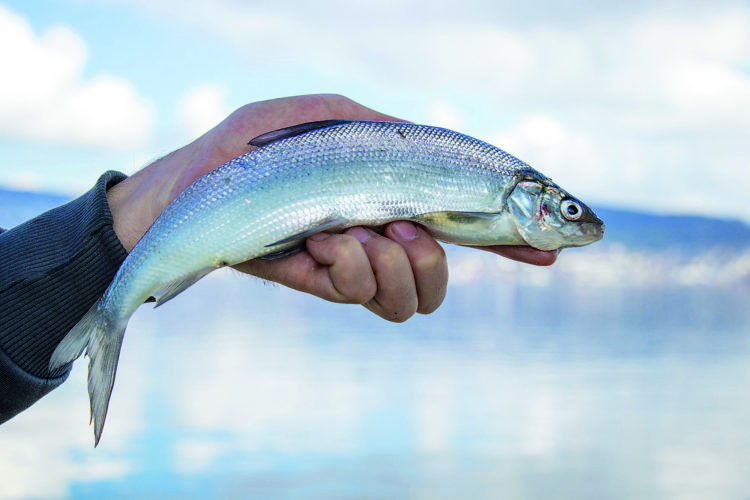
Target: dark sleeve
{"type": "Point", "coordinates": [52, 270]}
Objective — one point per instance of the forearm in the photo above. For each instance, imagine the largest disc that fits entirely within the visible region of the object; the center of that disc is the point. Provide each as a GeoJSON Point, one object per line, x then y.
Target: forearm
{"type": "Point", "coordinates": [52, 269]}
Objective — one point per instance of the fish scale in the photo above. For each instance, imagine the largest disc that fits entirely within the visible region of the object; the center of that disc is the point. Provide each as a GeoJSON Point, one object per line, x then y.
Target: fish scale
{"type": "Point", "coordinates": [322, 176]}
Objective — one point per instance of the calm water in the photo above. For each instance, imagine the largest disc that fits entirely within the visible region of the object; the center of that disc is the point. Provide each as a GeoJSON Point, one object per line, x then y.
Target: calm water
{"type": "Point", "coordinates": [556, 385]}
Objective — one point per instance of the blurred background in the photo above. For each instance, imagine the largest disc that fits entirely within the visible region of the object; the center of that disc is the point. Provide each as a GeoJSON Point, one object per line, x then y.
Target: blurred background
{"type": "Point", "coordinates": [620, 372]}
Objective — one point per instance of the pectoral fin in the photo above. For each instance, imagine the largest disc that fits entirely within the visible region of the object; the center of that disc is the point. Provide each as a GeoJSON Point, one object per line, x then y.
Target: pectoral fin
{"type": "Point", "coordinates": [470, 228]}
{"type": "Point", "coordinates": [455, 218]}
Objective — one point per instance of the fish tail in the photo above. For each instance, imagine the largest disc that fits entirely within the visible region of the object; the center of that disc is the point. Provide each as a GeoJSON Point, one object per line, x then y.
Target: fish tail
{"type": "Point", "coordinates": [101, 334]}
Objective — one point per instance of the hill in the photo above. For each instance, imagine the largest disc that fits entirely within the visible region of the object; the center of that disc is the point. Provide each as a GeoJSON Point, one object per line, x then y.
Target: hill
{"type": "Point", "coordinates": [635, 230]}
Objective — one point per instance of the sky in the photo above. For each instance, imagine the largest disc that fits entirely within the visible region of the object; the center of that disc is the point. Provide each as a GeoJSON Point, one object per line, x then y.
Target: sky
{"type": "Point", "coordinates": [642, 105]}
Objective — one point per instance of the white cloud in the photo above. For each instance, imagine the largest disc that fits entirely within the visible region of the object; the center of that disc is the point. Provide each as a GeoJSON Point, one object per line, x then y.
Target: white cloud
{"type": "Point", "coordinates": [568, 156]}
{"type": "Point", "coordinates": [650, 93]}
{"type": "Point", "coordinates": [24, 180]}
{"type": "Point", "coordinates": [202, 108]}
{"type": "Point", "coordinates": [43, 94]}
{"type": "Point", "coordinates": [442, 114]}
{"type": "Point", "coordinates": [719, 35]}
{"type": "Point", "coordinates": [193, 456]}
{"type": "Point", "coordinates": [708, 94]}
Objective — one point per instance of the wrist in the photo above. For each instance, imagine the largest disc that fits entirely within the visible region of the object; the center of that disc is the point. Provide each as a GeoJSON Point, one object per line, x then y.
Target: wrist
{"type": "Point", "coordinates": [136, 202]}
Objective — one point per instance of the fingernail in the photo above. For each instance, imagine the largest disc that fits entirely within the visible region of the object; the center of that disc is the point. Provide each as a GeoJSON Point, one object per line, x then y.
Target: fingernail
{"type": "Point", "coordinates": [405, 230]}
{"type": "Point", "coordinates": [320, 236]}
{"type": "Point", "coordinates": [360, 233]}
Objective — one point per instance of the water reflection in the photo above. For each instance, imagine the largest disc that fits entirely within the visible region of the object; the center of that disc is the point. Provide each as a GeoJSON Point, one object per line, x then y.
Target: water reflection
{"type": "Point", "coordinates": [521, 388]}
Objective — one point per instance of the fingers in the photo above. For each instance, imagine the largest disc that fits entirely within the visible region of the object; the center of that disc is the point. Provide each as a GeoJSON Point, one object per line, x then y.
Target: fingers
{"type": "Point", "coordinates": [409, 268]}
{"type": "Point", "coordinates": [394, 276]}
{"type": "Point", "coordinates": [525, 254]}
{"type": "Point", "coordinates": [335, 267]}
{"type": "Point", "coordinates": [427, 260]}
{"type": "Point", "coordinates": [350, 277]}
{"type": "Point", "coordinates": [395, 298]}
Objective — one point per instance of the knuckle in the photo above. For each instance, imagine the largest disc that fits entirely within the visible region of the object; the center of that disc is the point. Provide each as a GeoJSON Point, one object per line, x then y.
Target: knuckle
{"type": "Point", "coordinates": [431, 261]}
{"type": "Point", "coordinates": [391, 254]}
{"type": "Point", "coordinates": [364, 293]}
{"type": "Point", "coordinates": [386, 312]}
{"type": "Point", "coordinates": [335, 100]}
{"type": "Point", "coordinates": [397, 309]}
{"type": "Point", "coordinates": [347, 244]}
{"type": "Point", "coordinates": [397, 316]}
{"type": "Point", "coordinates": [357, 289]}
{"type": "Point", "coordinates": [429, 308]}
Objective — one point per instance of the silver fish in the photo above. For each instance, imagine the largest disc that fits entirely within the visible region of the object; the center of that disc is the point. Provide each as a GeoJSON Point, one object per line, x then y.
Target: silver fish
{"type": "Point", "coordinates": [328, 176]}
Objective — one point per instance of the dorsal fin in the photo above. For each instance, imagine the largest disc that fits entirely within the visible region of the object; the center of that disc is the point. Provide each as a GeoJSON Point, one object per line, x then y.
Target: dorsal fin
{"type": "Point", "coordinates": [283, 133]}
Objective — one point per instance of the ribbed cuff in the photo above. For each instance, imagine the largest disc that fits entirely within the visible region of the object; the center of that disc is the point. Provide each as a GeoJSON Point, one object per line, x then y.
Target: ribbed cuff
{"type": "Point", "coordinates": [52, 269]}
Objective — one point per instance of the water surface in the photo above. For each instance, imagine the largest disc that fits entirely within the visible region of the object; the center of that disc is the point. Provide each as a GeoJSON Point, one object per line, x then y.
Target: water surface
{"type": "Point", "coordinates": [525, 384]}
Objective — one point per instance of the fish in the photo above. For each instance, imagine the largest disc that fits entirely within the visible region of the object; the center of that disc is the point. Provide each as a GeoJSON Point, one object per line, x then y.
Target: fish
{"type": "Point", "coordinates": [324, 176]}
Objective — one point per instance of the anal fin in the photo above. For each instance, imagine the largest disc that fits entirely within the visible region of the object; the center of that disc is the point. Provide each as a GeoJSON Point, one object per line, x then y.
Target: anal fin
{"type": "Point", "coordinates": [169, 290]}
{"type": "Point", "coordinates": [324, 225]}
{"type": "Point", "coordinates": [284, 253]}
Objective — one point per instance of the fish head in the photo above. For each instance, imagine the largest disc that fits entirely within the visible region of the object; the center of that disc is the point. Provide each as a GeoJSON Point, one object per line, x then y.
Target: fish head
{"type": "Point", "coordinates": [549, 218]}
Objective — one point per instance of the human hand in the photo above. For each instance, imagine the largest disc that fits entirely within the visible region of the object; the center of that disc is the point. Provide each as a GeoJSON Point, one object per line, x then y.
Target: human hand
{"type": "Point", "coordinates": [394, 275]}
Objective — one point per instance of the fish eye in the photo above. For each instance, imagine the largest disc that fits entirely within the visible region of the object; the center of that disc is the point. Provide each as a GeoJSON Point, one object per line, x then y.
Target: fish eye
{"type": "Point", "coordinates": [571, 209]}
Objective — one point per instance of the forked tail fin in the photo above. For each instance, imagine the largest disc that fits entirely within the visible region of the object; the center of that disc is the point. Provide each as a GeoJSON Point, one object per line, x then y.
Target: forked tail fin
{"type": "Point", "coordinates": [101, 334]}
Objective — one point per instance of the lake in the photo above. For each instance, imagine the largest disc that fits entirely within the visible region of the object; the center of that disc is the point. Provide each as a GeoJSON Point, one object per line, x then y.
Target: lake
{"type": "Point", "coordinates": [613, 374]}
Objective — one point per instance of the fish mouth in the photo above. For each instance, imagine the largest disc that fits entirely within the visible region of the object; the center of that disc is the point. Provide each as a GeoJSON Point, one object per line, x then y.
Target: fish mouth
{"type": "Point", "coordinates": [599, 224]}
{"type": "Point", "coordinates": [593, 230]}
{"type": "Point", "coordinates": [592, 227]}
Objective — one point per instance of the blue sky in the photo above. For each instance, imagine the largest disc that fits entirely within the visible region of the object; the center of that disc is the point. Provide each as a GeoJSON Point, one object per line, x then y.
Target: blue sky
{"type": "Point", "coordinates": [637, 104]}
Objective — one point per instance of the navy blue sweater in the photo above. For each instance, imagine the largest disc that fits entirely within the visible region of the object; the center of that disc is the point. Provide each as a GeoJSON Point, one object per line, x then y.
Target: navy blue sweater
{"type": "Point", "coordinates": [52, 270]}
